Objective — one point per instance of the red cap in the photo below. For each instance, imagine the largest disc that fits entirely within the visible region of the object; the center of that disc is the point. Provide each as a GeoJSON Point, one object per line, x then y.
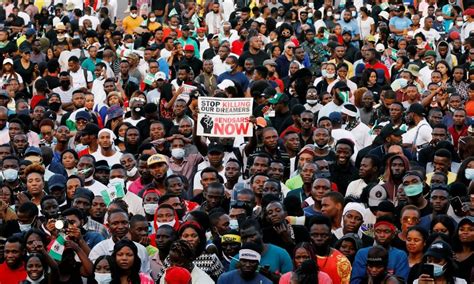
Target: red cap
{"type": "Point", "coordinates": [177, 275]}
{"type": "Point", "coordinates": [469, 12]}
{"type": "Point", "coordinates": [189, 47]}
{"type": "Point", "coordinates": [201, 30]}
{"type": "Point", "coordinates": [454, 35]}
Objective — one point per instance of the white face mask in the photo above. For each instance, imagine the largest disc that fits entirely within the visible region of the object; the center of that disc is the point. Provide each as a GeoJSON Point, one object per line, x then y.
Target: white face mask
{"type": "Point", "coordinates": [129, 45]}
{"type": "Point", "coordinates": [329, 13]}
{"type": "Point", "coordinates": [117, 181]}
{"type": "Point", "coordinates": [171, 223]}
{"type": "Point", "coordinates": [233, 224]}
{"type": "Point", "coordinates": [227, 67]}
{"type": "Point", "coordinates": [103, 278]}
{"type": "Point", "coordinates": [152, 20]}
{"type": "Point", "coordinates": [133, 15]}
{"type": "Point", "coordinates": [25, 227]}
{"type": "Point", "coordinates": [439, 18]}
{"type": "Point", "coordinates": [469, 174]}
{"type": "Point", "coordinates": [177, 153]}
{"type": "Point", "coordinates": [354, 13]}
{"type": "Point", "coordinates": [337, 16]}
{"type": "Point", "coordinates": [459, 23]}
{"type": "Point", "coordinates": [330, 75]}
{"type": "Point", "coordinates": [132, 172]}
{"type": "Point", "coordinates": [312, 102]}
{"type": "Point", "coordinates": [10, 175]}
{"type": "Point", "coordinates": [150, 208]}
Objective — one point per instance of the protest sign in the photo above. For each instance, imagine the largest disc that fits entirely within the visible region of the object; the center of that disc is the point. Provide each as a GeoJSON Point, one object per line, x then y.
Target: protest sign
{"type": "Point", "coordinates": [224, 117]}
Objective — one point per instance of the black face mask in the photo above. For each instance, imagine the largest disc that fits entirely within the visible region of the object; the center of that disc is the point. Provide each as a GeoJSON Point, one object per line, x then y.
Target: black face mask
{"type": "Point", "coordinates": [55, 106]}
{"type": "Point", "coordinates": [65, 84]}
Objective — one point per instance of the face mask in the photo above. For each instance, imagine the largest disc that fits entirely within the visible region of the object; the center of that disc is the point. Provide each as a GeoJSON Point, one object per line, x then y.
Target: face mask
{"type": "Point", "coordinates": [324, 73]}
{"type": "Point", "coordinates": [152, 20]}
{"type": "Point", "coordinates": [132, 172]}
{"type": "Point", "coordinates": [459, 23]}
{"type": "Point", "coordinates": [133, 15]}
{"type": "Point", "coordinates": [227, 67]}
{"type": "Point", "coordinates": [330, 75]}
{"type": "Point", "coordinates": [171, 223]}
{"type": "Point", "coordinates": [65, 84]}
{"type": "Point", "coordinates": [10, 174]}
{"type": "Point", "coordinates": [150, 208]}
{"type": "Point", "coordinates": [413, 189]}
{"type": "Point", "coordinates": [103, 278]}
{"type": "Point", "coordinates": [233, 224]}
{"type": "Point", "coordinates": [439, 18]}
{"type": "Point", "coordinates": [469, 174]}
{"type": "Point", "coordinates": [129, 45]}
{"type": "Point", "coordinates": [438, 269]}
{"type": "Point", "coordinates": [55, 106]}
{"type": "Point", "coordinates": [337, 16]}
{"type": "Point", "coordinates": [329, 13]}
{"type": "Point", "coordinates": [312, 102]}
{"type": "Point", "coordinates": [354, 13]}
{"type": "Point", "coordinates": [61, 37]}
{"type": "Point", "coordinates": [25, 227]}
{"type": "Point", "coordinates": [177, 153]}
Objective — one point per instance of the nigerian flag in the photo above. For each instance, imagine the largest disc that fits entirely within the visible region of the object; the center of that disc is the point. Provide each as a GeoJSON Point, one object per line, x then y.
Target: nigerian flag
{"type": "Point", "coordinates": [57, 249]}
{"type": "Point", "coordinates": [71, 121]}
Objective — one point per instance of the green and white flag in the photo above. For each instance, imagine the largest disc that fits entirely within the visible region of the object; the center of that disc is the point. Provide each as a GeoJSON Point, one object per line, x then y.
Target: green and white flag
{"type": "Point", "coordinates": [344, 95]}
{"type": "Point", "coordinates": [113, 191]}
{"type": "Point", "coordinates": [57, 249]}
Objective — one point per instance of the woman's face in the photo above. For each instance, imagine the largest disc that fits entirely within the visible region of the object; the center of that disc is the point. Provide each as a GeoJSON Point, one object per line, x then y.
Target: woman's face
{"type": "Point", "coordinates": [103, 266]}
{"type": "Point", "coordinates": [415, 242]}
{"type": "Point", "coordinates": [34, 244]}
{"type": "Point", "coordinates": [419, 40]}
{"type": "Point", "coordinates": [466, 233]}
{"type": "Point", "coordinates": [89, 102]}
{"type": "Point", "coordinates": [375, 270]}
{"type": "Point", "coordinates": [122, 130]}
{"type": "Point", "coordinates": [125, 258]}
{"type": "Point", "coordinates": [5, 195]}
{"type": "Point", "coordinates": [69, 161]}
{"type": "Point", "coordinates": [330, 69]}
{"type": "Point", "coordinates": [440, 228]}
{"type": "Point", "coordinates": [8, 67]}
{"type": "Point", "coordinates": [435, 260]}
{"type": "Point", "coordinates": [293, 68]}
{"type": "Point", "coordinates": [337, 30]}
{"type": "Point", "coordinates": [113, 100]}
{"type": "Point", "coordinates": [442, 68]}
{"type": "Point", "coordinates": [34, 268]}
{"type": "Point", "coordinates": [276, 52]}
{"type": "Point", "coordinates": [301, 255]}
{"type": "Point", "coordinates": [347, 248]}
{"type": "Point", "coordinates": [164, 215]}
{"type": "Point", "coordinates": [263, 29]}
{"type": "Point", "coordinates": [191, 236]}
{"type": "Point", "coordinates": [402, 45]}
{"type": "Point", "coordinates": [409, 219]}
{"type": "Point", "coordinates": [373, 78]}
{"type": "Point", "coordinates": [34, 183]}
{"type": "Point", "coordinates": [151, 198]}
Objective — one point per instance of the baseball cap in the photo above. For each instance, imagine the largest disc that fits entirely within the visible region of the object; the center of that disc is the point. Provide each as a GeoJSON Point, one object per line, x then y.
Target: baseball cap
{"type": "Point", "coordinates": [416, 108]}
{"type": "Point", "coordinates": [335, 116]}
{"type": "Point", "coordinates": [390, 129]}
{"type": "Point", "coordinates": [342, 86]}
{"type": "Point", "coordinates": [430, 53]}
{"type": "Point", "coordinates": [160, 76]}
{"type": "Point", "coordinates": [469, 12]}
{"type": "Point", "coordinates": [440, 249]}
{"type": "Point", "coordinates": [177, 275]}
{"type": "Point", "coordinates": [114, 112]}
{"type": "Point", "coordinates": [270, 62]}
{"type": "Point", "coordinates": [309, 149]}
{"type": "Point", "coordinates": [225, 84]}
{"type": "Point", "coordinates": [84, 193]}
{"type": "Point", "coordinates": [215, 148]}
{"type": "Point", "coordinates": [32, 150]}
{"type": "Point", "coordinates": [102, 165]}
{"type": "Point", "coordinates": [56, 182]}
{"type": "Point", "coordinates": [377, 194]}
{"type": "Point", "coordinates": [189, 47]}
{"type": "Point", "coordinates": [279, 98]}
{"type": "Point", "coordinates": [346, 31]}
{"type": "Point", "coordinates": [83, 115]}
{"type": "Point", "coordinates": [7, 61]}
{"type": "Point", "coordinates": [157, 158]}
{"type": "Point", "coordinates": [30, 32]}
{"type": "Point", "coordinates": [398, 84]}
{"type": "Point", "coordinates": [90, 129]}
{"type": "Point", "coordinates": [269, 92]}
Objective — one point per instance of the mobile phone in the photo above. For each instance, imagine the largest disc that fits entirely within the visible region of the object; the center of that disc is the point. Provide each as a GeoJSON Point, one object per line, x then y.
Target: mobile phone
{"type": "Point", "coordinates": [428, 269]}
{"type": "Point", "coordinates": [457, 205]}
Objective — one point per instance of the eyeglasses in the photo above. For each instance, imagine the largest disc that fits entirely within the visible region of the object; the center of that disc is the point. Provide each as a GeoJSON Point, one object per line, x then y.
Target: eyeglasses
{"type": "Point", "coordinates": [307, 120]}
{"type": "Point", "coordinates": [61, 32]}
{"type": "Point", "coordinates": [410, 219]}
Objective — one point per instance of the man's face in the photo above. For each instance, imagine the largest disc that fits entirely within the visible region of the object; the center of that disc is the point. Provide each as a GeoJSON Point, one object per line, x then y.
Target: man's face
{"type": "Point", "coordinates": [366, 168]}
{"type": "Point", "coordinates": [249, 66]}
{"type": "Point", "coordinates": [257, 184]}
{"type": "Point", "coordinates": [259, 166]}
{"type": "Point", "coordinates": [3, 120]}
{"type": "Point", "coordinates": [455, 102]}
{"type": "Point", "coordinates": [330, 208]}
{"type": "Point", "coordinates": [299, 53]}
{"type": "Point", "coordinates": [133, 136]}
{"type": "Point", "coordinates": [73, 66]}
{"type": "Point", "coordinates": [158, 170]}
{"type": "Point", "coordinates": [383, 235]}
{"type": "Point", "coordinates": [85, 164]}
{"type": "Point", "coordinates": [185, 127]}
{"type": "Point", "coordinates": [435, 117]}
{"type": "Point", "coordinates": [20, 142]}
{"type": "Point", "coordinates": [13, 254]}
{"type": "Point", "coordinates": [109, 87]}
{"type": "Point", "coordinates": [208, 178]}
{"type": "Point", "coordinates": [292, 142]}
{"type": "Point", "coordinates": [98, 207]}
{"type": "Point", "coordinates": [248, 267]}
{"type": "Point", "coordinates": [50, 207]}
{"type": "Point", "coordinates": [441, 164]}
{"type": "Point", "coordinates": [232, 170]}
{"type": "Point", "coordinates": [164, 238]}
{"type": "Point", "coordinates": [343, 154]}
{"type": "Point", "coordinates": [139, 231]}
{"type": "Point", "coordinates": [214, 197]}
{"type": "Point", "coordinates": [82, 204]}
{"type": "Point", "coordinates": [78, 100]}
{"type": "Point", "coordinates": [14, 129]}
{"type": "Point", "coordinates": [104, 140]}
{"type": "Point", "coordinates": [340, 51]}
{"type": "Point", "coordinates": [321, 137]}
{"type": "Point", "coordinates": [276, 170]}
{"type": "Point", "coordinates": [118, 225]}
{"type": "Point", "coordinates": [307, 173]}
{"type": "Point", "coordinates": [397, 168]}
{"type": "Point", "coordinates": [459, 118]}
{"type": "Point", "coordinates": [270, 139]}
{"type": "Point", "coordinates": [320, 235]}
{"type": "Point", "coordinates": [352, 221]}
{"type": "Point", "coordinates": [320, 187]}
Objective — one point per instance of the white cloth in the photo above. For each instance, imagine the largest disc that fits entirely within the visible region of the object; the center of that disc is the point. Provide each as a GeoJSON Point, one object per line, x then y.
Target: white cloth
{"type": "Point", "coordinates": [425, 75]}
{"type": "Point", "coordinates": [112, 160]}
{"type": "Point", "coordinates": [328, 108]}
{"type": "Point", "coordinates": [214, 22]}
{"type": "Point", "coordinates": [365, 27]}
{"type": "Point", "coordinates": [133, 121]}
{"type": "Point", "coordinates": [106, 247]}
{"type": "Point", "coordinates": [135, 203]}
{"type": "Point", "coordinates": [355, 188]}
{"type": "Point", "coordinates": [352, 87]}
{"type": "Point", "coordinates": [79, 80]}
{"type": "Point", "coordinates": [432, 36]}
{"type": "Point", "coordinates": [422, 132]}
{"type": "Point", "coordinates": [66, 96]}
{"type": "Point", "coordinates": [219, 65]}
{"type": "Point", "coordinates": [94, 21]}
{"type": "Point", "coordinates": [98, 91]}
{"type": "Point", "coordinates": [362, 135]}
{"type": "Point", "coordinates": [96, 188]}
{"type": "Point", "coordinates": [466, 30]}
{"type": "Point", "coordinates": [4, 136]}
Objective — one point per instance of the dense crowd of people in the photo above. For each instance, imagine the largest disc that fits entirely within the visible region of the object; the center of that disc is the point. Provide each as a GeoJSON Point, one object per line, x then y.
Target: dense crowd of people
{"type": "Point", "coordinates": [359, 167]}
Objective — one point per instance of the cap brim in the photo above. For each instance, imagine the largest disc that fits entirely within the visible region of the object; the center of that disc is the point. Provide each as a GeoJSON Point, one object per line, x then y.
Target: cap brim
{"type": "Point", "coordinates": [398, 132]}
{"type": "Point", "coordinates": [272, 101]}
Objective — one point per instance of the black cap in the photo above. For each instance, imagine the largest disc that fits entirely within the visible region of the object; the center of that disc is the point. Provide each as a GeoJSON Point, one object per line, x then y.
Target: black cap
{"type": "Point", "coordinates": [84, 193]}
{"type": "Point", "coordinates": [390, 129]}
{"type": "Point", "coordinates": [102, 165]}
{"type": "Point", "coordinates": [440, 250]}
{"type": "Point", "coordinates": [91, 129]}
{"type": "Point", "coordinates": [416, 108]}
{"type": "Point", "coordinates": [297, 109]}
{"type": "Point", "coordinates": [386, 206]}
{"type": "Point", "coordinates": [346, 32]}
{"type": "Point", "coordinates": [215, 148]}
{"type": "Point", "coordinates": [56, 182]}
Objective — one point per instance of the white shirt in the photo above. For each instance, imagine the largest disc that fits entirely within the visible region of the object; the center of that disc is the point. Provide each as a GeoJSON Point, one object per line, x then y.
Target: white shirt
{"type": "Point", "coordinates": [352, 87]}
{"type": "Point", "coordinates": [425, 75]}
{"type": "Point", "coordinates": [106, 247]}
{"type": "Point", "coordinates": [4, 136]}
{"type": "Point", "coordinates": [94, 21]}
{"type": "Point", "coordinates": [135, 203]}
{"type": "Point", "coordinates": [355, 188]}
{"type": "Point", "coordinates": [197, 179]}
{"type": "Point", "coordinates": [98, 91]}
{"type": "Point", "coordinates": [328, 108]}
{"type": "Point", "coordinates": [365, 27]}
{"type": "Point", "coordinates": [96, 188]}
{"type": "Point", "coordinates": [153, 96]}
{"type": "Point", "coordinates": [466, 30]}
{"type": "Point", "coordinates": [133, 121]}
{"type": "Point", "coordinates": [431, 36]}
{"type": "Point", "coordinates": [66, 96]}
{"type": "Point", "coordinates": [112, 160]}
{"type": "Point", "coordinates": [362, 135]}
{"type": "Point", "coordinates": [234, 35]}
{"type": "Point", "coordinates": [219, 65]}
{"type": "Point", "coordinates": [319, 24]}
{"type": "Point", "coordinates": [214, 21]}
{"type": "Point", "coordinates": [79, 80]}
{"type": "Point", "coordinates": [422, 132]}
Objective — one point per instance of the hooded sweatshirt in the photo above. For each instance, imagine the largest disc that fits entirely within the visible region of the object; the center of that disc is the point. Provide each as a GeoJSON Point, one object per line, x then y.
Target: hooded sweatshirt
{"type": "Point", "coordinates": [390, 184]}
{"type": "Point", "coordinates": [450, 58]}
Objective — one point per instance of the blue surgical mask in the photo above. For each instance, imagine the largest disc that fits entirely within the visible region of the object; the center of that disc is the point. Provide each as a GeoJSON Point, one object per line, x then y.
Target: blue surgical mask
{"type": "Point", "coordinates": [438, 269]}
{"type": "Point", "coordinates": [233, 224]}
{"type": "Point", "coordinates": [469, 174]}
{"type": "Point", "coordinates": [413, 189]}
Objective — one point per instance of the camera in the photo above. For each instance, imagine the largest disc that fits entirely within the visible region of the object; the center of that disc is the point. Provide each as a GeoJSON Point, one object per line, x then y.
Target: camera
{"type": "Point", "coordinates": [62, 224]}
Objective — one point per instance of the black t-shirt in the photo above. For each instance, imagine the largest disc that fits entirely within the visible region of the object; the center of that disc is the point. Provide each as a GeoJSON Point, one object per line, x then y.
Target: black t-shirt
{"type": "Point", "coordinates": [257, 58]}
{"type": "Point", "coordinates": [26, 73]}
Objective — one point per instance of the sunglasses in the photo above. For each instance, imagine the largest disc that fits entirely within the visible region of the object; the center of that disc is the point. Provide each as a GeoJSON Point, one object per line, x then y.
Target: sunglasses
{"type": "Point", "coordinates": [307, 120]}
{"type": "Point", "coordinates": [61, 33]}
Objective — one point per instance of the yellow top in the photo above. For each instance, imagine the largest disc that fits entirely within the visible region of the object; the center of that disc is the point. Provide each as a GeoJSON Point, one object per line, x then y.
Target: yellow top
{"type": "Point", "coordinates": [130, 23]}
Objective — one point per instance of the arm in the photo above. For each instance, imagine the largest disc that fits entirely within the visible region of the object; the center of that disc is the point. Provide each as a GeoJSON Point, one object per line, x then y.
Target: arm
{"type": "Point", "coordinates": [402, 268]}
{"type": "Point", "coordinates": [358, 268]}
{"type": "Point", "coordinates": [87, 268]}
{"type": "Point", "coordinates": [252, 144]}
{"type": "Point", "coordinates": [170, 104]}
{"type": "Point", "coordinates": [426, 101]}
{"type": "Point", "coordinates": [200, 145]}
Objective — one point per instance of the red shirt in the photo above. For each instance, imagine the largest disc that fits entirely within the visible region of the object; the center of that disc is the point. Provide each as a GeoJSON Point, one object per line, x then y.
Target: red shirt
{"type": "Point", "coordinates": [9, 276]}
{"type": "Point", "coordinates": [379, 65]}
{"type": "Point", "coordinates": [456, 135]}
{"type": "Point", "coordinates": [237, 47]}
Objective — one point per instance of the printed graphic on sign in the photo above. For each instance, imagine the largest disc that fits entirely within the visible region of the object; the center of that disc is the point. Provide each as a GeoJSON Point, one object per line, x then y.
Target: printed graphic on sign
{"type": "Point", "coordinates": [224, 117]}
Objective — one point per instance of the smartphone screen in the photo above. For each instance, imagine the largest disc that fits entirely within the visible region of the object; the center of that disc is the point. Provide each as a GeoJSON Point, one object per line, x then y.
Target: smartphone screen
{"type": "Point", "coordinates": [427, 269]}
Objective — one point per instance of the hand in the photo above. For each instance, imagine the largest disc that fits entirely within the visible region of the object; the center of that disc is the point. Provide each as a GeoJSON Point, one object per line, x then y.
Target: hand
{"type": "Point", "coordinates": [72, 245]}
{"type": "Point", "coordinates": [50, 226]}
{"type": "Point", "coordinates": [145, 241]}
{"type": "Point", "coordinates": [22, 198]}
{"type": "Point", "coordinates": [207, 124]}
{"type": "Point", "coordinates": [73, 233]}
{"type": "Point", "coordinates": [425, 279]}
{"type": "Point", "coordinates": [283, 231]}
{"type": "Point", "coordinates": [270, 275]}
{"type": "Point", "coordinates": [180, 90]}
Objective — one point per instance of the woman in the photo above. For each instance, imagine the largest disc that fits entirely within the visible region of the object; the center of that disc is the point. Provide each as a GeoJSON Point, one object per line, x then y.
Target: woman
{"type": "Point", "coordinates": [466, 171]}
{"type": "Point", "coordinates": [463, 246]}
{"type": "Point", "coordinates": [69, 159]}
{"type": "Point", "coordinates": [27, 69]}
{"type": "Point", "coordinates": [89, 105]}
{"type": "Point", "coordinates": [119, 131]}
{"type": "Point", "coordinates": [303, 252]}
{"type": "Point", "coordinates": [35, 183]}
{"type": "Point", "coordinates": [369, 80]}
{"type": "Point", "coordinates": [9, 72]}
{"type": "Point", "coordinates": [443, 224]}
{"type": "Point", "coordinates": [35, 241]}
{"type": "Point", "coordinates": [328, 77]}
{"type": "Point", "coordinates": [7, 196]}
{"type": "Point", "coordinates": [275, 52]}
{"type": "Point", "coordinates": [192, 233]}
{"type": "Point", "coordinates": [36, 269]}
{"type": "Point", "coordinates": [443, 67]}
{"type": "Point", "coordinates": [151, 23]}
{"type": "Point", "coordinates": [439, 255]}
{"type": "Point", "coordinates": [349, 244]}
{"type": "Point", "coordinates": [279, 232]}
{"type": "Point", "coordinates": [102, 270]}
{"type": "Point", "coordinates": [398, 66]}
{"type": "Point", "coordinates": [409, 217]}
{"type": "Point", "coordinates": [366, 23]}
{"type": "Point", "coordinates": [415, 244]}
{"type": "Point", "coordinates": [127, 264]}
{"type": "Point", "coordinates": [165, 215]}
{"type": "Point", "coordinates": [377, 261]}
